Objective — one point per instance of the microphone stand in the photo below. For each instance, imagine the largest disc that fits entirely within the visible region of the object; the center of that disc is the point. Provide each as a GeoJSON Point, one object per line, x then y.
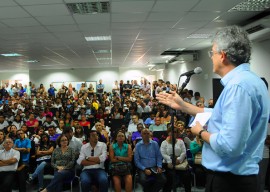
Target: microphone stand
{"type": "Point", "coordinates": [172, 113]}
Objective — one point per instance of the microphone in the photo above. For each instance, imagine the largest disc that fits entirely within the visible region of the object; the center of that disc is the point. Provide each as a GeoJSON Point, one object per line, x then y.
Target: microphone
{"type": "Point", "coordinates": [197, 70]}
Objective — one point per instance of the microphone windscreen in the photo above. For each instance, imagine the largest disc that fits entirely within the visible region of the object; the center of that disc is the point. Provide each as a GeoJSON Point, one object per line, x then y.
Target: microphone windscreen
{"type": "Point", "coordinates": [197, 70]}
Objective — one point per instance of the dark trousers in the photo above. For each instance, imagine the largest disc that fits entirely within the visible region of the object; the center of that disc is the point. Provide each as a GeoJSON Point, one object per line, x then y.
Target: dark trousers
{"type": "Point", "coordinates": [7, 180]}
{"type": "Point", "coordinates": [180, 176]}
{"type": "Point", "coordinates": [22, 176]}
{"type": "Point", "coordinates": [59, 178]}
{"type": "Point", "coordinates": [228, 182]}
{"type": "Point", "coordinates": [152, 183]}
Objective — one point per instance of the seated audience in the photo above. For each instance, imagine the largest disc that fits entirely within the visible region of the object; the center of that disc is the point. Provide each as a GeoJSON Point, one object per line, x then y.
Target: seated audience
{"type": "Point", "coordinates": [158, 126]}
{"type": "Point", "coordinates": [148, 157]}
{"type": "Point", "coordinates": [121, 156]}
{"type": "Point", "coordinates": [23, 145]}
{"type": "Point", "coordinates": [43, 158]}
{"type": "Point", "coordinates": [180, 157]}
{"type": "Point", "coordinates": [62, 161]}
{"type": "Point", "coordinates": [92, 158]}
{"type": "Point", "coordinates": [9, 159]}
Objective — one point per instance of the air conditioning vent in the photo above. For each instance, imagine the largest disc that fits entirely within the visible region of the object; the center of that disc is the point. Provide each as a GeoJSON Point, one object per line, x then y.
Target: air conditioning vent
{"type": "Point", "coordinates": [255, 29]}
{"type": "Point", "coordinates": [89, 7]}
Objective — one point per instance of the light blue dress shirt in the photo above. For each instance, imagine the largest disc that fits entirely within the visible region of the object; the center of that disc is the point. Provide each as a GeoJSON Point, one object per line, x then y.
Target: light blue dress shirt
{"type": "Point", "coordinates": [147, 155]}
{"type": "Point", "coordinates": [238, 124]}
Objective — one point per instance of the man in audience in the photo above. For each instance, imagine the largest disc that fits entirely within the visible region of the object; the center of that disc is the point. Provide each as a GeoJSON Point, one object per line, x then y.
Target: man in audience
{"type": "Point", "coordinates": [136, 136]}
{"type": "Point", "coordinates": [158, 126]}
{"type": "Point", "coordinates": [48, 122]}
{"type": "Point", "coordinates": [23, 145]}
{"type": "Point", "coordinates": [92, 158]}
{"type": "Point", "coordinates": [9, 159]}
{"type": "Point", "coordinates": [52, 133]}
{"type": "Point", "coordinates": [3, 123]}
{"type": "Point", "coordinates": [148, 160]}
{"type": "Point", "coordinates": [135, 121]}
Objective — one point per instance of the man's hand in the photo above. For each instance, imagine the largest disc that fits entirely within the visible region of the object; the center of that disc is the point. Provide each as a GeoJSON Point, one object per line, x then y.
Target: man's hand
{"type": "Point", "coordinates": [172, 100]}
{"type": "Point", "coordinates": [159, 170]}
{"type": "Point", "coordinates": [147, 172]}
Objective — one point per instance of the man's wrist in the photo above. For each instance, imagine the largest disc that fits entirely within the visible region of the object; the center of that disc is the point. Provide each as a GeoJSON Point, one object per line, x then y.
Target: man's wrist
{"type": "Point", "coordinates": [200, 133]}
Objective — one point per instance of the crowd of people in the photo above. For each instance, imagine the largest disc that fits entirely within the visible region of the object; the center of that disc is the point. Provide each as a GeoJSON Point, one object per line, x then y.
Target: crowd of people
{"type": "Point", "coordinates": [128, 131]}
{"type": "Point", "coordinates": [54, 130]}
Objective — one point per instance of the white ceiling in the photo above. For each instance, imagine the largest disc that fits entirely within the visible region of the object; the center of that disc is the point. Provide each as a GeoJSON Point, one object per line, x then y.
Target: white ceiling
{"type": "Point", "coordinates": [45, 30]}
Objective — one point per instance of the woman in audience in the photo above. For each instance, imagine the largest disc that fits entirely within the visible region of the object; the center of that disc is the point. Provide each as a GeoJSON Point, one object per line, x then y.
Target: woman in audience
{"type": "Point", "coordinates": [90, 90]}
{"type": "Point", "coordinates": [36, 137]}
{"type": "Point", "coordinates": [196, 150]}
{"type": "Point", "coordinates": [68, 119]}
{"type": "Point", "coordinates": [2, 138]}
{"type": "Point", "coordinates": [11, 132]}
{"type": "Point", "coordinates": [32, 123]}
{"type": "Point", "coordinates": [121, 156]}
{"type": "Point", "coordinates": [43, 154]}
{"type": "Point", "coordinates": [180, 157]}
{"type": "Point", "coordinates": [62, 161]}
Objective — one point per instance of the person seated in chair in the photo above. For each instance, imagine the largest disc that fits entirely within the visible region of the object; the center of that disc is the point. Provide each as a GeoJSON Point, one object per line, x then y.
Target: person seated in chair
{"type": "Point", "coordinates": [147, 156]}
{"type": "Point", "coordinates": [23, 145]}
{"type": "Point", "coordinates": [9, 159]}
{"type": "Point", "coordinates": [92, 158]}
{"type": "Point", "coordinates": [181, 172]}
{"type": "Point", "coordinates": [121, 157]}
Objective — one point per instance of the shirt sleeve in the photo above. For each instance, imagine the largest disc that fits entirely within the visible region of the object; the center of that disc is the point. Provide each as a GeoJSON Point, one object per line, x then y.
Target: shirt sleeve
{"type": "Point", "coordinates": [137, 157]}
{"type": "Point", "coordinates": [231, 140]}
{"type": "Point", "coordinates": [158, 155]}
{"type": "Point", "coordinates": [165, 156]}
{"type": "Point", "coordinates": [183, 150]}
{"type": "Point", "coordinates": [82, 155]}
{"type": "Point", "coordinates": [103, 155]}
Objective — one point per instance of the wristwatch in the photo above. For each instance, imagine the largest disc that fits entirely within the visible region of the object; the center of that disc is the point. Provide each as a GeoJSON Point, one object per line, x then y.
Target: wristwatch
{"type": "Point", "coordinates": [200, 133]}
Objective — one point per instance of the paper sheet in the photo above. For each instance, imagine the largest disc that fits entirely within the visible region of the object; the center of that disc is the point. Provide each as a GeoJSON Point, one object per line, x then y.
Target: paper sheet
{"type": "Point", "coordinates": [202, 118]}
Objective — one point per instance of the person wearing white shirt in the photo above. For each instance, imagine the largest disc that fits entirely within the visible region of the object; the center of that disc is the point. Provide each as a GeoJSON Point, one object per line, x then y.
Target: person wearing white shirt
{"type": "Point", "coordinates": [9, 159]}
{"type": "Point", "coordinates": [92, 158]}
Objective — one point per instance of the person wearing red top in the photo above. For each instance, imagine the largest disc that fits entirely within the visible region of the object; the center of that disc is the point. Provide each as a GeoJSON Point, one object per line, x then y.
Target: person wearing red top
{"type": "Point", "coordinates": [32, 123]}
{"type": "Point", "coordinates": [85, 124]}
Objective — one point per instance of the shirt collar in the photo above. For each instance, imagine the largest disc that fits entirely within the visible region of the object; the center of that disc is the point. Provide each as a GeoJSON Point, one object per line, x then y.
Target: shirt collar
{"type": "Point", "coordinates": [243, 67]}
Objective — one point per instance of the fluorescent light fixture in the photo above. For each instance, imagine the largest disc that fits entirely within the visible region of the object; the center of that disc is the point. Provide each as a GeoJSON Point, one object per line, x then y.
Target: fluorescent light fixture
{"type": "Point", "coordinates": [103, 59]}
{"type": "Point", "coordinates": [46, 65]}
{"type": "Point", "coordinates": [102, 51]}
{"type": "Point", "coordinates": [199, 36]}
{"type": "Point", "coordinates": [11, 54]}
{"type": "Point", "coordinates": [89, 7]}
{"type": "Point", "coordinates": [31, 61]}
{"type": "Point", "coordinates": [167, 57]}
{"type": "Point", "coordinates": [159, 69]}
{"type": "Point", "coordinates": [98, 38]}
{"type": "Point", "coordinates": [251, 5]}
{"type": "Point", "coordinates": [150, 65]}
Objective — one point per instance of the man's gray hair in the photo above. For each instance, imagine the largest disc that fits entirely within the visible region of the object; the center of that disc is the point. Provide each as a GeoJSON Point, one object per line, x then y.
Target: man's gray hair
{"type": "Point", "coordinates": [234, 41]}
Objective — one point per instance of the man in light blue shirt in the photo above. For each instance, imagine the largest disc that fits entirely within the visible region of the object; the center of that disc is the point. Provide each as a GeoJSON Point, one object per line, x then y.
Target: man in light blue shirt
{"type": "Point", "coordinates": [237, 128]}
{"type": "Point", "coordinates": [147, 156]}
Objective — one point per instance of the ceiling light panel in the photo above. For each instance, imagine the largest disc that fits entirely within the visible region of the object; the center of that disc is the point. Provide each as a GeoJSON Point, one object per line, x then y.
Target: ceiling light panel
{"type": "Point", "coordinates": [98, 38]}
{"type": "Point", "coordinates": [251, 5]}
{"type": "Point", "coordinates": [199, 36]}
{"type": "Point", "coordinates": [89, 7]}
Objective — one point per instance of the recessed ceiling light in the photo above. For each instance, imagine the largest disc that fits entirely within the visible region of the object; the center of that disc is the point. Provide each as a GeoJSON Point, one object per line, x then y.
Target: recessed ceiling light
{"type": "Point", "coordinates": [11, 54]}
{"type": "Point", "coordinates": [251, 5]}
{"type": "Point", "coordinates": [31, 61]}
{"type": "Point", "coordinates": [98, 38]}
{"type": "Point", "coordinates": [89, 7]}
{"type": "Point", "coordinates": [199, 36]}
{"type": "Point", "coordinates": [102, 59]}
{"type": "Point", "coordinates": [102, 51]}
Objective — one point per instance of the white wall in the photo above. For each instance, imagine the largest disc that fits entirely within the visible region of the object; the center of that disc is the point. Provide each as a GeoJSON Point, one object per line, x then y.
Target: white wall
{"type": "Point", "coordinates": [260, 64]}
{"type": "Point", "coordinates": [22, 76]}
{"type": "Point", "coordinates": [108, 76]}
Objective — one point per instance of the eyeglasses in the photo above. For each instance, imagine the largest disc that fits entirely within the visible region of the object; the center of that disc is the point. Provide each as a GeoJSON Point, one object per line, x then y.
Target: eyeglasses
{"type": "Point", "coordinates": [211, 53]}
{"type": "Point", "coordinates": [63, 140]}
{"type": "Point", "coordinates": [92, 152]}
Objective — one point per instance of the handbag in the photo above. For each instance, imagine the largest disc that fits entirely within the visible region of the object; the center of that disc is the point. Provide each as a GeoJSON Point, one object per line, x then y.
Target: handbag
{"type": "Point", "coordinates": [198, 158]}
{"type": "Point", "coordinates": [120, 169]}
{"type": "Point", "coordinates": [182, 166]}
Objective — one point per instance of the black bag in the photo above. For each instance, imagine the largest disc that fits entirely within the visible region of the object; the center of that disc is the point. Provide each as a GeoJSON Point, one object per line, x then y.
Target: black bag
{"type": "Point", "coordinates": [120, 169]}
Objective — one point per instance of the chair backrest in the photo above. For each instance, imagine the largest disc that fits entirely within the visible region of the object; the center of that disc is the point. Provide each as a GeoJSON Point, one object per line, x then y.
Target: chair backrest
{"type": "Point", "coordinates": [161, 135]}
{"type": "Point", "coordinates": [145, 115]}
{"type": "Point", "coordinates": [116, 125]}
